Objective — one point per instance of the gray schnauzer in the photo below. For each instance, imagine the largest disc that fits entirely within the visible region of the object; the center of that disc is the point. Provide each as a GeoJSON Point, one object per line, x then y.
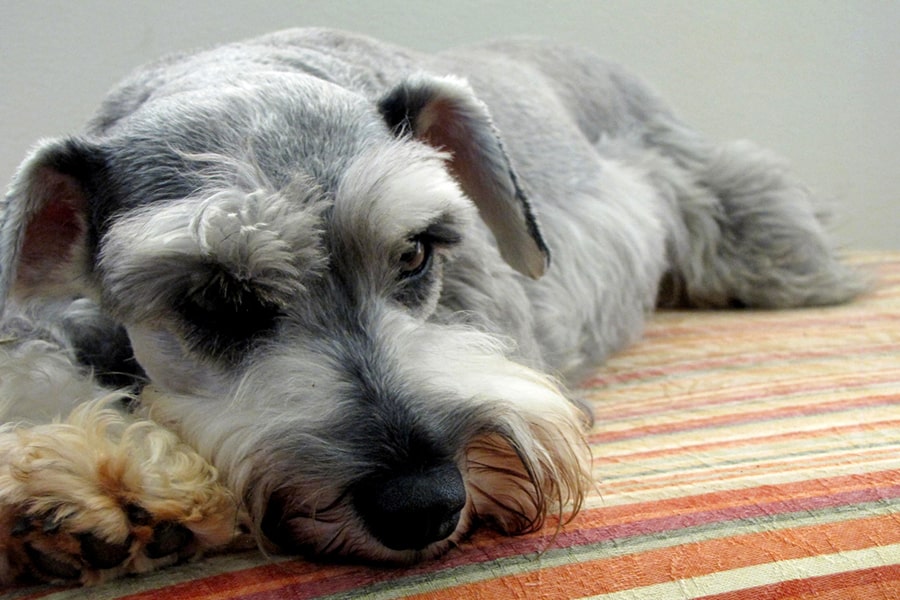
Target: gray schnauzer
{"type": "Point", "coordinates": [331, 260]}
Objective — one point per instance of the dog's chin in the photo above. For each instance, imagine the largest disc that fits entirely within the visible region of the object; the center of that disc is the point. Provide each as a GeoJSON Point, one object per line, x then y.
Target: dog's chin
{"type": "Point", "coordinates": [337, 534]}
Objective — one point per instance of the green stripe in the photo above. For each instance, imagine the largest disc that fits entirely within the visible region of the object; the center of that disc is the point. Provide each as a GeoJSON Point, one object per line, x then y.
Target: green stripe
{"type": "Point", "coordinates": [231, 564]}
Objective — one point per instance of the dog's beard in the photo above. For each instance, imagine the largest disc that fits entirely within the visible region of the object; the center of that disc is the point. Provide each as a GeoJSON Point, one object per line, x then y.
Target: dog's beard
{"type": "Point", "coordinates": [514, 436]}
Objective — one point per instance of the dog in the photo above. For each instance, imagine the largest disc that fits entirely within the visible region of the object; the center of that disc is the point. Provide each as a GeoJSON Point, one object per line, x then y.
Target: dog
{"type": "Point", "coordinates": [330, 294]}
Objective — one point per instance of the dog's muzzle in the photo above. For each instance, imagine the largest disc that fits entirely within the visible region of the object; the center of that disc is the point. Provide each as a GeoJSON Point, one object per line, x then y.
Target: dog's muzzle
{"type": "Point", "coordinates": [410, 511]}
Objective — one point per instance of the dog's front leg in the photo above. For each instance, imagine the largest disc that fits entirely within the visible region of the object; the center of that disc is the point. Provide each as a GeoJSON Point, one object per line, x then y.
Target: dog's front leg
{"type": "Point", "coordinates": [103, 494]}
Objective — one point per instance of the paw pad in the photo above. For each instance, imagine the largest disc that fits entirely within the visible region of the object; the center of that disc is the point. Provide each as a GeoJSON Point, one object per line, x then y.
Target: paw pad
{"type": "Point", "coordinates": [49, 551]}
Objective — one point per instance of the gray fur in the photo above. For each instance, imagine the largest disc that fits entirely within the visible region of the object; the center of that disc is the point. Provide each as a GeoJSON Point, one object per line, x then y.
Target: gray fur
{"type": "Point", "coordinates": [246, 213]}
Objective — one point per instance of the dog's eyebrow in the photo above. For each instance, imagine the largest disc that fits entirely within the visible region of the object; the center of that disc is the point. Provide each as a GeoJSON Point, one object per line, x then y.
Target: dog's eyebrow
{"type": "Point", "coordinates": [259, 238]}
{"type": "Point", "coordinates": [397, 192]}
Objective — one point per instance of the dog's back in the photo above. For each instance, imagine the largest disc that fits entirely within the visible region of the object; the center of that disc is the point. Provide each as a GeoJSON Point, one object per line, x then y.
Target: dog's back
{"type": "Point", "coordinates": [627, 195]}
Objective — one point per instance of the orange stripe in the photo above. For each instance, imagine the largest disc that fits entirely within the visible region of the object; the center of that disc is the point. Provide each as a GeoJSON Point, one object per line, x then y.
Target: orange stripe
{"type": "Point", "coordinates": [865, 584]}
{"type": "Point", "coordinates": [681, 562]}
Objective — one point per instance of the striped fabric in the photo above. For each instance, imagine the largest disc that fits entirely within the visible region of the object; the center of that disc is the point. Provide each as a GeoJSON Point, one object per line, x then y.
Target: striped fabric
{"type": "Point", "coordinates": [738, 455]}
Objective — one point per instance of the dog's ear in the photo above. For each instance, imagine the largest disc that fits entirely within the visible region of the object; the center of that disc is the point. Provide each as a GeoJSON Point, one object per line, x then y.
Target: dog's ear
{"type": "Point", "coordinates": [444, 112]}
{"type": "Point", "coordinates": [44, 223]}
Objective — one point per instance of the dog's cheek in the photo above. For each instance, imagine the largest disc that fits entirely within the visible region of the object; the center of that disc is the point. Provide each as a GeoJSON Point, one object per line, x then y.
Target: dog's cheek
{"type": "Point", "coordinates": [168, 365]}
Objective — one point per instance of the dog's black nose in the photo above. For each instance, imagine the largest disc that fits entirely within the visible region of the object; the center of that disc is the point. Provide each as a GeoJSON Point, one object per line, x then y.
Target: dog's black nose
{"type": "Point", "coordinates": [412, 510]}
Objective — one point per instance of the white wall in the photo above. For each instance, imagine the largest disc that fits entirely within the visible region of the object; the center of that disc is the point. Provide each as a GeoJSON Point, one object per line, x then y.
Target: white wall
{"type": "Point", "coordinates": [816, 80]}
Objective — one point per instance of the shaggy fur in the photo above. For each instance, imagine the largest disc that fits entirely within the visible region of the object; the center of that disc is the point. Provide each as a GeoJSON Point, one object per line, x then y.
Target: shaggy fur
{"type": "Point", "coordinates": [332, 260]}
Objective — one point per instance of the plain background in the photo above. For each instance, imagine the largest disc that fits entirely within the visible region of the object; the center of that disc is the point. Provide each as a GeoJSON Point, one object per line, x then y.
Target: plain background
{"type": "Point", "coordinates": [816, 80]}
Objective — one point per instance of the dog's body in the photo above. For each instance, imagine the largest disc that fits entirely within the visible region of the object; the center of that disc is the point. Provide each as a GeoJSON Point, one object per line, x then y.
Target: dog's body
{"type": "Point", "coordinates": [287, 230]}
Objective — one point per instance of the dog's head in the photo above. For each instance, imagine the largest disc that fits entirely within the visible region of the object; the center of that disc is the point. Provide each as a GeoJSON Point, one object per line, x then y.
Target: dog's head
{"type": "Point", "coordinates": [298, 269]}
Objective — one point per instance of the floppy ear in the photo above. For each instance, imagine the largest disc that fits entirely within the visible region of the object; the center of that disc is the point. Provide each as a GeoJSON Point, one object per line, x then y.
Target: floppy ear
{"type": "Point", "coordinates": [444, 112]}
{"type": "Point", "coordinates": [44, 232]}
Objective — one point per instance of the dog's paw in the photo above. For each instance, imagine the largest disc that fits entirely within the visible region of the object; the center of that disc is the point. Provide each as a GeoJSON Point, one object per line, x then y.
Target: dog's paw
{"type": "Point", "coordinates": [102, 495]}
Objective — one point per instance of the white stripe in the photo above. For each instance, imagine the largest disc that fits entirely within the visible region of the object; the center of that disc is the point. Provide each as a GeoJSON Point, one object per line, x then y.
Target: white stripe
{"type": "Point", "coordinates": [759, 575]}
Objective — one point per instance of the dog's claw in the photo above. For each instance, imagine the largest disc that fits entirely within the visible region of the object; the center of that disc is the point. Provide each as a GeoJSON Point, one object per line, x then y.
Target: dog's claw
{"type": "Point", "coordinates": [51, 524]}
{"type": "Point", "coordinates": [101, 554]}
{"type": "Point", "coordinates": [138, 515]}
{"type": "Point", "coordinates": [22, 525]}
{"type": "Point", "coordinates": [168, 538]}
{"type": "Point", "coordinates": [50, 567]}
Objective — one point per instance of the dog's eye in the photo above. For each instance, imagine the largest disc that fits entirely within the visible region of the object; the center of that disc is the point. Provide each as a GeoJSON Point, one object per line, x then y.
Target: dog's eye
{"type": "Point", "coordinates": [415, 261]}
